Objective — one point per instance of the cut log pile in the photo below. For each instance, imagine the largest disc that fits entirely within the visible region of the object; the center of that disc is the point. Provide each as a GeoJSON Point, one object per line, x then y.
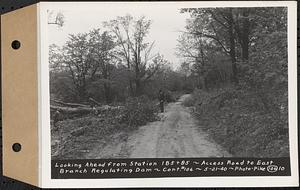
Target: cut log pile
{"type": "Point", "coordinates": [71, 110]}
{"type": "Point", "coordinates": [67, 104]}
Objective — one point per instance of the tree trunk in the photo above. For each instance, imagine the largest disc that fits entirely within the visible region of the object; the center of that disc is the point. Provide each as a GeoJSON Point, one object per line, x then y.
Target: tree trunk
{"type": "Point", "coordinates": [129, 77]}
{"type": "Point", "coordinates": [107, 93]}
{"type": "Point", "coordinates": [232, 48]}
{"type": "Point", "coordinates": [106, 86]}
{"type": "Point", "coordinates": [246, 32]}
{"type": "Point", "coordinates": [81, 93]}
{"type": "Point", "coordinates": [243, 31]}
{"type": "Point", "coordinates": [130, 88]}
{"type": "Point", "coordinates": [137, 76]}
{"type": "Point", "coordinates": [245, 52]}
{"type": "Point", "coordinates": [138, 87]}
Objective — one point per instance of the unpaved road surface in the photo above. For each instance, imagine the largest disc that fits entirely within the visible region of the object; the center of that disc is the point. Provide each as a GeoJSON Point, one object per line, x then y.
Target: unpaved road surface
{"type": "Point", "coordinates": [176, 135]}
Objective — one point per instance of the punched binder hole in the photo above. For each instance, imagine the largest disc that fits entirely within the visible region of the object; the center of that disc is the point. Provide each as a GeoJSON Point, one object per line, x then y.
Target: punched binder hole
{"type": "Point", "coordinates": [16, 147]}
{"type": "Point", "coordinates": [16, 44]}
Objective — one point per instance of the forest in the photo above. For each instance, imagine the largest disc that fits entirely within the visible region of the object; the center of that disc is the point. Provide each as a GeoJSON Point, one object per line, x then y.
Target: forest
{"type": "Point", "coordinates": [233, 64]}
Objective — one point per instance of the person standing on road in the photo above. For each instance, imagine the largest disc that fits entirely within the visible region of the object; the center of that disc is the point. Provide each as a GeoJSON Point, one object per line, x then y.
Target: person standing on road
{"type": "Point", "coordinates": [161, 97]}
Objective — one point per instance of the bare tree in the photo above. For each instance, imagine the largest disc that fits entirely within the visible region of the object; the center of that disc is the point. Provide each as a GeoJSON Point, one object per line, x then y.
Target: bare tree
{"type": "Point", "coordinates": [133, 49]}
{"type": "Point", "coordinates": [56, 18]}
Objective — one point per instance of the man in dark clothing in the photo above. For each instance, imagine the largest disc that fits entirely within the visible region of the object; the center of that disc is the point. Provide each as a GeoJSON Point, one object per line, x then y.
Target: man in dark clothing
{"type": "Point", "coordinates": [161, 97]}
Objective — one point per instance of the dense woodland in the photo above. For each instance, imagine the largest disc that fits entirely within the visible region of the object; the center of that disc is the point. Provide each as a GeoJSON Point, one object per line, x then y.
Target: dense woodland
{"type": "Point", "coordinates": [234, 63]}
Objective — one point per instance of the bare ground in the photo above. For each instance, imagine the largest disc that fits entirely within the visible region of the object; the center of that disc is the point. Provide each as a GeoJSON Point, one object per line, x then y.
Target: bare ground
{"type": "Point", "coordinates": [176, 135]}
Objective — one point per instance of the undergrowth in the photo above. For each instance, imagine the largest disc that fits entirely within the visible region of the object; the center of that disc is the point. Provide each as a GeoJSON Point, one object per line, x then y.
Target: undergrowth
{"type": "Point", "coordinates": [238, 120]}
{"type": "Point", "coordinates": [74, 138]}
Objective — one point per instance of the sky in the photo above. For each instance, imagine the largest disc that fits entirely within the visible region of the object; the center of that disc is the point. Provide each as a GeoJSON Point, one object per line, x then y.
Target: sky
{"type": "Point", "coordinates": [167, 22]}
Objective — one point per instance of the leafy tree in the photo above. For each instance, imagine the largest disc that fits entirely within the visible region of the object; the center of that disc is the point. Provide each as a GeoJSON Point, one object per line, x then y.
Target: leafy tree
{"type": "Point", "coordinates": [101, 47]}
{"type": "Point", "coordinates": [77, 57]}
{"type": "Point", "coordinates": [86, 57]}
{"type": "Point", "coordinates": [215, 26]}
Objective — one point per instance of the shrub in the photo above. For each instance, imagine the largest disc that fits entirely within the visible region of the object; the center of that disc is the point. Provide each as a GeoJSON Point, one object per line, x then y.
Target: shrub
{"type": "Point", "coordinates": [138, 111]}
{"type": "Point", "coordinates": [169, 96]}
{"type": "Point", "coordinates": [237, 120]}
{"type": "Point", "coordinates": [189, 101]}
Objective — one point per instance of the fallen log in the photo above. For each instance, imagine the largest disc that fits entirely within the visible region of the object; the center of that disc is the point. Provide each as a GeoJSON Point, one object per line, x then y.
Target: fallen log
{"type": "Point", "coordinates": [84, 109]}
{"type": "Point", "coordinates": [69, 104]}
{"type": "Point", "coordinates": [69, 112]}
{"type": "Point", "coordinates": [70, 109]}
{"type": "Point", "coordinates": [94, 101]}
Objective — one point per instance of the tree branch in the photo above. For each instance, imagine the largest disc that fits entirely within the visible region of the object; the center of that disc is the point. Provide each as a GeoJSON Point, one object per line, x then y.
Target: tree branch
{"type": "Point", "coordinates": [216, 19]}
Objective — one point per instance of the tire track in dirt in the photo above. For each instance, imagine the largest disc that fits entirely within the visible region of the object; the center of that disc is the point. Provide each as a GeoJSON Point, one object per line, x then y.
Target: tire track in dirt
{"type": "Point", "coordinates": [176, 135]}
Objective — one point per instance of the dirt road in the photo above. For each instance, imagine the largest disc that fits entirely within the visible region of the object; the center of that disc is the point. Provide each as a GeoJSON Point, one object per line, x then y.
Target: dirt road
{"type": "Point", "coordinates": [176, 135]}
